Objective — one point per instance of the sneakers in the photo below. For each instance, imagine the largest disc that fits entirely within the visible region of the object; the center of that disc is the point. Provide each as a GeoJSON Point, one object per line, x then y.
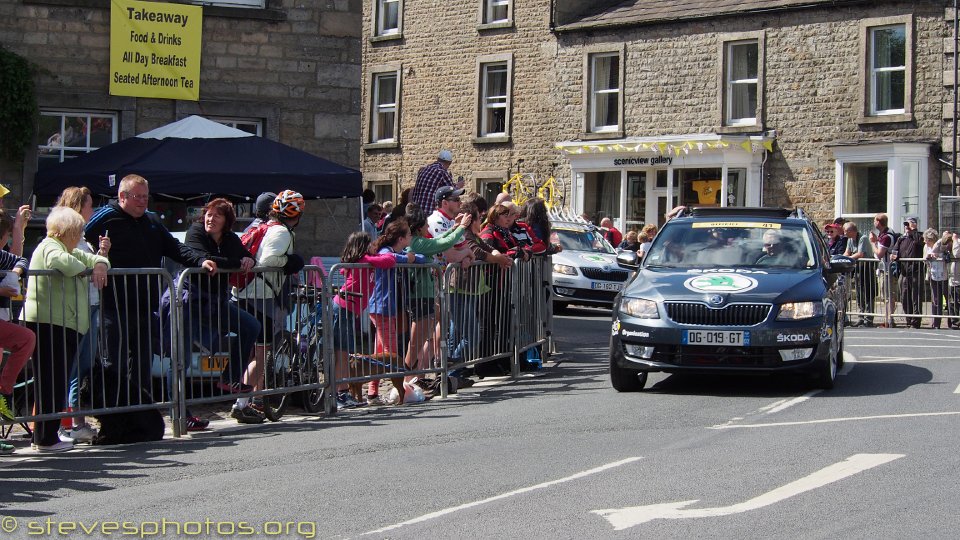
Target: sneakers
{"type": "Point", "coordinates": [234, 388]}
{"type": "Point", "coordinates": [6, 449]}
{"type": "Point", "coordinates": [346, 401]}
{"type": "Point", "coordinates": [5, 412]}
{"type": "Point", "coordinates": [61, 446]}
{"type": "Point", "coordinates": [247, 415]}
{"type": "Point", "coordinates": [79, 434]}
{"type": "Point", "coordinates": [195, 423]}
{"type": "Point", "coordinates": [375, 401]}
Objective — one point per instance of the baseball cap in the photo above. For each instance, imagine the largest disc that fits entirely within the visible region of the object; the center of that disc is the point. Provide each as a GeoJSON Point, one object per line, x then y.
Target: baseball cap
{"type": "Point", "coordinates": [445, 155]}
{"type": "Point", "coordinates": [264, 203]}
{"type": "Point", "coordinates": [447, 192]}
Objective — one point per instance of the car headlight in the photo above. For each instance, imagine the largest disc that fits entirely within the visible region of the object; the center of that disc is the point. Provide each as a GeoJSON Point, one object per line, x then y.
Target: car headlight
{"type": "Point", "coordinates": [639, 308]}
{"type": "Point", "coordinates": [564, 269]}
{"type": "Point", "coordinates": [795, 311]}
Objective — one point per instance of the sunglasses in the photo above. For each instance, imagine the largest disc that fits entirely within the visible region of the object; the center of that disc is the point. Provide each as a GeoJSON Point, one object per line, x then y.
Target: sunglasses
{"type": "Point", "coordinates": [771, 244]}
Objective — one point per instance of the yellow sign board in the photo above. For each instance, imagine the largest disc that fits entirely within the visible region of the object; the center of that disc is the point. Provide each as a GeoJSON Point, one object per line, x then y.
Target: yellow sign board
{"type": "Point", "coordinates": [155, 49]}
{"type": "Point", "coordinates": [734, 224]}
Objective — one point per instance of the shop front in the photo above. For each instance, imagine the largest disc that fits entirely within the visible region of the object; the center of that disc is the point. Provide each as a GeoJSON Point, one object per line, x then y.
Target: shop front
{"type": "Point", "coordinates": [636, 181]}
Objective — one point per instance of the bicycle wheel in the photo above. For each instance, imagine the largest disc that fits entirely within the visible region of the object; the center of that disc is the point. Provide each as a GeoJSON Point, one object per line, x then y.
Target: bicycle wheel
{"type": "Point", "coordinates": [278, 372]}
{"type": "Point", "coordinates": [311, 368]}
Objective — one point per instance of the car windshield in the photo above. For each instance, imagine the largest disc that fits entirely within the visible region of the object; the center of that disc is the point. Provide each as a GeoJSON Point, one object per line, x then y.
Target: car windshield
{"type": "Point", "coordinates": [582, 240]}
{"type": "Point", "coordinates": [731, 244]}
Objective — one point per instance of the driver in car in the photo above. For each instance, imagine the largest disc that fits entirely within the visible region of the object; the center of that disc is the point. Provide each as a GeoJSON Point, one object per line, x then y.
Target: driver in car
{"type": "Point", "coordinates": [775, 250]}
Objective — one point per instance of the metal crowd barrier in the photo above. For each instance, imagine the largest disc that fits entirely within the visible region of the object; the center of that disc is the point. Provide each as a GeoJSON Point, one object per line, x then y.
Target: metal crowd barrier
{"type": "Point", "coordinates": [185, 342]}
{"type": "Point", "coordinates": [903, 292]}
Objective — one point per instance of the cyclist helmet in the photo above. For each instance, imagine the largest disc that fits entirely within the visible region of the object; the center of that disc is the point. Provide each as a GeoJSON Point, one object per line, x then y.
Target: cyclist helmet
{"type": "Point", "coordinates": [289, 204]}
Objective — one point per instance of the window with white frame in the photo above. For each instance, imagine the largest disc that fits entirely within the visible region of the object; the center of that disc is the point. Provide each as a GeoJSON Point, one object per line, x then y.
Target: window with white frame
{"type": "Point", "coordinates": [383, 191]}
{"type": "Point", "coordinates": [496, 11]}
{"type": "Point", "coordinates": [252, 126]}
{"type": "Point", "coordinates": [494, 99]}
{"type": "Point", "coordinates": [65, 135]}
{"type": "Point", "coordinates": [383, 120]}
{"type": "Point", "coordinates": [742, 63]}
{"type": "Point", "coordinates": [387, 19]}
{"type": "Point", "coordinates": [604, 92]}
{"type": "Point", "coordinates": [887, 69]}
{"type": "Point", "coordinates": [876, 178]}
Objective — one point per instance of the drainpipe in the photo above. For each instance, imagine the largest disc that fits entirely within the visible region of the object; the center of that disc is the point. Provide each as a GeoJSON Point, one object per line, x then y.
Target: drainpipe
{"type": "Point", "coordinates": [953, 166]}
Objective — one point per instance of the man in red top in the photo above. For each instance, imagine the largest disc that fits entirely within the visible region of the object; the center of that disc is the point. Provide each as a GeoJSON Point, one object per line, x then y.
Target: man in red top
{"type": "Point", "coordinates": [610, 233]}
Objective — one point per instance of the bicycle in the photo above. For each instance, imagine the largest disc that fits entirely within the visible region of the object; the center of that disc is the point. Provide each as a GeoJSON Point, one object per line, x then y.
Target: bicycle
{"type": "Point", "coordinates": [518, 188]}
{"type": "Point", "coordinates": [548, 192]}
{"type": "Point", "coordinates": [297, 358]}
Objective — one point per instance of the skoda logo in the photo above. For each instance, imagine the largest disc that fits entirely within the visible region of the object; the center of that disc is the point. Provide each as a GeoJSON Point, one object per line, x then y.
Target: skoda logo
{"type": "Point", "coordinates": [716, 300]}
{"type": "Point", "coordinates": [720, 283]}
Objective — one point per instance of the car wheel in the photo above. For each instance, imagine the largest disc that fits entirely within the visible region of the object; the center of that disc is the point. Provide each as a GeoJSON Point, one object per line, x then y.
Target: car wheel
{"type": "Point", "coordinates": [827, 374]}
{"type": "Point", "coordinates": [626, 380]}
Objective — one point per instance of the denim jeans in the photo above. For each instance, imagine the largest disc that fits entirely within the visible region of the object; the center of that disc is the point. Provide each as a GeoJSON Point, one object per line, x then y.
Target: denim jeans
{"type": "Point", "coordinates": [83, 361]}
{"type": "Point", "coordinates": [210, 333]}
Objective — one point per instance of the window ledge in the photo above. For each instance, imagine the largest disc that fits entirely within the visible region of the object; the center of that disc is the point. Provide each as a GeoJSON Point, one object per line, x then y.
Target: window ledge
{"type": "Point", "coordinates": [499, 139]}
{"type": "Point", "coordinates": [886, 119]}
{"type": "Point", "coordinates": [388, 37]}
{"type": "Point", "coordinates": [494, 25]}
{"type": "Point", "coordinates": [238, 12]}
{"type": "Point", "coordinates": [382, 145]}
{"type": "Point", "coordinates": [593, 136]}
{"type": "Point", "coordinates": [731, 130]}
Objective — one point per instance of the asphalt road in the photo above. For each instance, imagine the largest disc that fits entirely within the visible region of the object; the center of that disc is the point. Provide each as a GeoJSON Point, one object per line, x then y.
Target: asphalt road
{"type": "Point", "coordinates": [558, 455]}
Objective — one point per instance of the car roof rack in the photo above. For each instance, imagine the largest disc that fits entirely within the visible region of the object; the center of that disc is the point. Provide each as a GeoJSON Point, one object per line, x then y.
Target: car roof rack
{"type": "Point", "coordinates": [729, 211]}
{"type": "Point", "coordinates": [565, 215]}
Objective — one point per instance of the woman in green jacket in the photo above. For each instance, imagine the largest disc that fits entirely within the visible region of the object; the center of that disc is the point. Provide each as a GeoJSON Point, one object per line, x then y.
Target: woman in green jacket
{"type": "Point", "coordinates": [57, 309]}
{"type": "Point", "coordinates": [423, 290]}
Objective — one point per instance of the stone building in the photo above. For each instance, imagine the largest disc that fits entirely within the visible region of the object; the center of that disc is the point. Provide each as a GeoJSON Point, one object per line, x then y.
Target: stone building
{"type": "Point", "coordinates": [286, 70]}
{"type": "Point", "coordinates": [839, 107]}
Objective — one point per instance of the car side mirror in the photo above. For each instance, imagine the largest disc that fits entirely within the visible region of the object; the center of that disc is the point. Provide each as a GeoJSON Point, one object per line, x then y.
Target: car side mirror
{"type": "Point", "coordinates": [841, 264]}
{"type": "Point", "coordinates": [628, 260]}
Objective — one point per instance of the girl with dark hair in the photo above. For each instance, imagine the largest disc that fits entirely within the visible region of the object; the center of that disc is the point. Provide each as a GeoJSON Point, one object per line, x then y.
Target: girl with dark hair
{"type": "Point", "coordinates": [210, 315]}
{"type": "Point", "coordinates": [386, 309]}
{"type": "Point", "coordinates": [350, 302]}
{"type": "Point", "coordinates": [423, 297]}
{"type": "Point", "coordinates": [534, 214]}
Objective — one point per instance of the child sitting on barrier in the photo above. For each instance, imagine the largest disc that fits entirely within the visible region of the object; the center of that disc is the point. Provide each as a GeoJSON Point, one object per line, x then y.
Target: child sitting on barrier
{"type": "Point", "coordinates": [387, 304]}
{"type": "Point", "coordinates": [350, 302]}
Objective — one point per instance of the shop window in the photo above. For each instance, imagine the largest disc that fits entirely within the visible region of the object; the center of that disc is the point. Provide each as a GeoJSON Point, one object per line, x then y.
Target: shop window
{"type": "Point", "coordinates": [601, 195]}
{"type": "Point", "coordinates": [699, 187]}
{"type": "Point", "coordinates": [231, 3]}
{"type": "Point", "coordinates": [387, 17]}
{"type": "Point", "coordinates": [887, 67]}
{"type": "Point", "coordinates": [636, 200]}
{"type": "Point", "coordinates": [496, 11]}
{"type": "Point", "coordinates": [604, 98]}
{"type": "Point", "coordinates": [383, 126]}
{"type": "Point", "coordinates": [494, 99]}
{"type": "Point", "coordinates": [736, 187]}
{"type": "Point", "coordinates": [65, 135]}
{"type": "Point", "coordinates": [742, 61]}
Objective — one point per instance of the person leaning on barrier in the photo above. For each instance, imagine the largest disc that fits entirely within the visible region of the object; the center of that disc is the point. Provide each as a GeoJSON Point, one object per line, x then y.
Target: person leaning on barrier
{"type": "Point", "coordinates": [138, 240]}
{"type": "Point", "coordinates": [210, 313]}
{"type": "Point", "coordinates": [81, 200]}
{"type": "Point", "coordinates": [933, 252]}
{"type": "Point", "coordinates": [953, 281]}
{"type": "Point", "coordinates": [262, 297]}
{"type": "Point", "coordinates": [858, 247]}
{"type": "Point", "coordinates": [534, 215]}
{"type": "Point", "coordinates": [56, 308]}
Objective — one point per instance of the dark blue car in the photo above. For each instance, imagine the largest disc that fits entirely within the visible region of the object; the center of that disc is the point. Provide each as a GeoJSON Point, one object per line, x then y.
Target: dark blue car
{"type": "Point", "coordinates": [735, 290]}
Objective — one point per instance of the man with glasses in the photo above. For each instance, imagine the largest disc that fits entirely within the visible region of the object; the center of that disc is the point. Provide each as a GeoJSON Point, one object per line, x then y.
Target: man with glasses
{"type": "Point", "coordinates": [139, 240]}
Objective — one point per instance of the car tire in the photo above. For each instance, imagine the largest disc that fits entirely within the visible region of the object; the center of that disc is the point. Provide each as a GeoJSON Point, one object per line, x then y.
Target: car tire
{"type": "Point", "coordinates": [827, 372]}
{"type": "Point", "coordinates": [626, 380]}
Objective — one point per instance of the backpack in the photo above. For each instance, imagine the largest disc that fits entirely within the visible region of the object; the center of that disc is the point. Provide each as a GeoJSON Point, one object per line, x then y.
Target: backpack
{"type": "Point", "coordinates": [250, 240]}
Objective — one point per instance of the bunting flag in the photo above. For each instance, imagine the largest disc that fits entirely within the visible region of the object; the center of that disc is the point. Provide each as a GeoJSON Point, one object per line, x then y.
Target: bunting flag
{"type": "Point", "coordinates": [666, 147]}
{"type": "Point", "coordinates": [747, 145]}
{"type": "Point", "coordinates": [768, 146]}
{"type": "Point", "coordinates": [3, 191]}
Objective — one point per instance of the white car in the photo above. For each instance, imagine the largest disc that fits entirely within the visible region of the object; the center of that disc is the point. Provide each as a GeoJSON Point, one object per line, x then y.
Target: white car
{"type": "Point", "coordinates": [586, 271]}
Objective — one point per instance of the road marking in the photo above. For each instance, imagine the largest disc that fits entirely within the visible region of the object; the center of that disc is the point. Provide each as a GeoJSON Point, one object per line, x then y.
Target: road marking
{"type": "Point", "coordinates": [833, 420]}
{"type": "Point", "coordinates": [440, 513]}
{"type": "Point", "coordinates": [957, 391]}
{"type": "Point", "coordinates": [785, 404]}
{"type": "Point", "coordinates": [624, 518]}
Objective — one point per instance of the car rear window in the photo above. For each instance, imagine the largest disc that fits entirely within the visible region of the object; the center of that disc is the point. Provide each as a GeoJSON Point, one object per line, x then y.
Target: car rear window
{"type": "Point", "coordinates": [732, 244]}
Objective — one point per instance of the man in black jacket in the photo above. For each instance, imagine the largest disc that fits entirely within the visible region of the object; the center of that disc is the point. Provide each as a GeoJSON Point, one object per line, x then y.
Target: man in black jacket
{"type": "Point", "coordinates": [139, 240]}
{"type": "Point", "coordinates": [910, 246]}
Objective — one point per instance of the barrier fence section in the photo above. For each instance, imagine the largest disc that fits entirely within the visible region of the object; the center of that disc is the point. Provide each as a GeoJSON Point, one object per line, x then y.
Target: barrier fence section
{"type": "Point", "coordinates": [96, 351]}
{"type": "Point", "coordinates": [904, 291]}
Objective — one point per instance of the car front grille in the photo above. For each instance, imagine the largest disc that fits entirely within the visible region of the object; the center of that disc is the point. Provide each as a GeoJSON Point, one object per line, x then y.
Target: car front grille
{"type": "Point", "coordinates": [729, 357]}
{"type": "Point", "coordinates": [699, 314]}
{"type": "Point", "coordinates": [604, 275]}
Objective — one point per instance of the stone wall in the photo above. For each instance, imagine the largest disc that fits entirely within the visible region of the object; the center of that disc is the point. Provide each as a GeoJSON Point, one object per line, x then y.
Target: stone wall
{"type": "Point", "coordinates": [812, 88]}
{"type": "Point", "coordinates": [294, 65]}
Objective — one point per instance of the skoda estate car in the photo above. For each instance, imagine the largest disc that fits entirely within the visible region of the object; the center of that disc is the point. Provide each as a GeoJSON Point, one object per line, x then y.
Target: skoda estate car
{"type": "Point", "coordinates": [741, 290]}
{"type": "Point", "coordinates": [586, 271]}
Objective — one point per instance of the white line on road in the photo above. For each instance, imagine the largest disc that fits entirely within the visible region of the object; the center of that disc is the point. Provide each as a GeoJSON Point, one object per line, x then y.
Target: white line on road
{"type": "Point", "coordinates": [440, 513]}
{"type": "Point", "coordinates": [833, 420]}
{"type": "Point", "coordinates": [790, 403]}
{"type": "Point", "coordinates": [624, 518]}
{"type": "Point", "coordinates": [957, 391]}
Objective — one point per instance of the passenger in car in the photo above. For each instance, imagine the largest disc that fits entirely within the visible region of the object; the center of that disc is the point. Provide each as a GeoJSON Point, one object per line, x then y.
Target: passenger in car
{"type": "Point", "coordinates": [777, 250]}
